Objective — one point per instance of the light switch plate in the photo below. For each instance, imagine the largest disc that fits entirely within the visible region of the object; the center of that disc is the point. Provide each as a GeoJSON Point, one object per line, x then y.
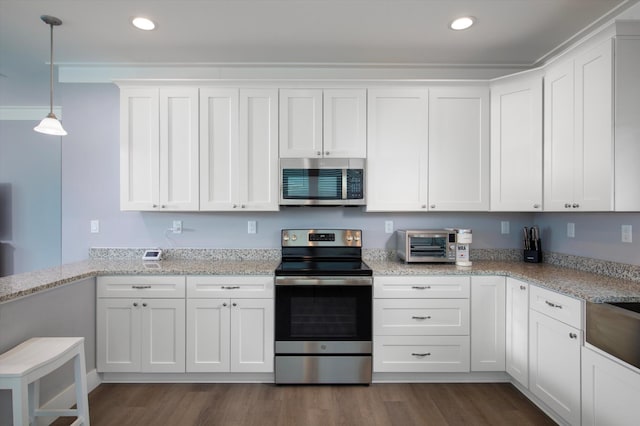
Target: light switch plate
{"type": "Point", "coordinates": [95, 226]}
{"type": "Point", "coordinates": [388, 226]}
{"type": "Point", "coordinates": [177, 227]}
{"type": "Point", "coordinates": [251, 227]}
{"type": "Point", "coordinates": [627, 233]}
{"type": "Point", "coordinates": [504, 227]}
{"type": "Point", "coordinates": [571, 230]}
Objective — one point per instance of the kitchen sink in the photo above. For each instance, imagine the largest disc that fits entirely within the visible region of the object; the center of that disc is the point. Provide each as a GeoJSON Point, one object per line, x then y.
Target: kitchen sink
{"type": "Point", "coordinates": [615, 328]}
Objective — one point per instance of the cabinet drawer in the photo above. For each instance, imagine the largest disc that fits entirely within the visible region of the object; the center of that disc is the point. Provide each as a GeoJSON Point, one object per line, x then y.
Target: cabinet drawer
{"type": "Point", "coordinates": [421, 287]}
{"type": "Point", "coordinates": [141, 286]}
{"type": "Point", "coordinates": [230, 286]}
{"type": "Point", "coordinates": [441, 354]}
{"type": "Point", "coordinates": [424, 317]}
{"type": "Point", "coordinates": [556, 305]}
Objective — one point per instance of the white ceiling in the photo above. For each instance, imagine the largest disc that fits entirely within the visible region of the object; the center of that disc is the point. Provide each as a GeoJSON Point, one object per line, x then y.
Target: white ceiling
{"type": "Point", "coordinates": [382, 32]}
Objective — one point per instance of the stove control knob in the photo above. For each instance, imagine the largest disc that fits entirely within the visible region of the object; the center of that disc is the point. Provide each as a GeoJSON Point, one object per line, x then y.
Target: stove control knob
{"type": "Point", "coordinates": [285, 237]}
{"type": "Point", "coordinates": [293, 237]}
{"type": "Point", "coordinates": [349, 238]}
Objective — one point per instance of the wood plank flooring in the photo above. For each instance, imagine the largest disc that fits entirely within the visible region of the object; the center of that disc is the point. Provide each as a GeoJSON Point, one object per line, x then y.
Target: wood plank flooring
{"type": "Point", "coordinates": [264, 404]}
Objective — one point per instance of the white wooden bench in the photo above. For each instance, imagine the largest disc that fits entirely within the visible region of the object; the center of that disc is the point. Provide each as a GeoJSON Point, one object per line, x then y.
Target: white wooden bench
{"type": "Point", "coordinates": [22, 367]}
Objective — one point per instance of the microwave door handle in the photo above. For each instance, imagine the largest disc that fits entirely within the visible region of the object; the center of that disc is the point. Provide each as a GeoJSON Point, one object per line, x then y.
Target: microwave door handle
{"type": "Point", "coordinates": [344, 184]}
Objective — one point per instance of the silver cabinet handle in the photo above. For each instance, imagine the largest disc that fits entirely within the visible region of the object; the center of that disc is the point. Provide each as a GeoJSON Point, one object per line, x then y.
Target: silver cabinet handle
{"type": "Point", "coordinates": [234, 304]}
{"type": "Point", "coordinates": [433, 206]}
{"type": "Point", "coordinates": [553, 305]}
{"type": "Point", "coordinates": [326, 153]}
{"type": "Point", "coordinates": [230, 287]}
{"type": "Point", "coordinates": [224, 304]}
{"type": "Point", "coordinates": [162, 206]}
{"type": "Point", "coordinates": [421, 287]}
{"type": "Point", "coordinates": [140, 287]}
{"type": "Point", "coordinates": [536, 206]}
{"type": "Point", "coordinates": [576, 205]}
{"type": "Point", "coordinates": [319, 153]}
{"type": "Point", "coordinates": [135, 305]}
{"type": "Point", "coordinates": [154, 205]}
{"type": "Point", "coordinates": [573, 335]}
{"type": "Point", "coordinates": [242, 206]}
{"type": "Point", "coordinates": [234, 206]}
{"type": "Point", "coordinates": [424, 206]}
{"type": "Point", "coordinates": [144, 305]}
{"type": "Point", "coordinates": [567, 206]}
{"type": "Point", "coordinates": [421, 355]}
{"type": "Point", "coordinates": [523, 287]}
{"type": "Point", "coordinates": [420, 318]}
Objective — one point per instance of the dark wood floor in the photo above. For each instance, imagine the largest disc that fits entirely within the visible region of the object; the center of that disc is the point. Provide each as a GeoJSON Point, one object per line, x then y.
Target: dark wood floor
{"type": "Point", "coordinates": [263, 404]}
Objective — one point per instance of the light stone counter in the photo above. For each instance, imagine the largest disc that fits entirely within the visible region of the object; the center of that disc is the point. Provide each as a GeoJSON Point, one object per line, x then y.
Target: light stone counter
{"type": "Point", "coordinates": [583, 285]}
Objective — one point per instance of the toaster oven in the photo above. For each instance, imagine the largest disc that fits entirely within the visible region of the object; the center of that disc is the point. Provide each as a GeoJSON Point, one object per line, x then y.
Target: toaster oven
{"type": "Point", "coordinates": [428, 245]}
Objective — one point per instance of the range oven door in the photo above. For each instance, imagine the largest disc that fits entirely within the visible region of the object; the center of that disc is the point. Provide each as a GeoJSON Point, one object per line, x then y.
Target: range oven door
{"type": "Point", "coordinates": [323, 334]}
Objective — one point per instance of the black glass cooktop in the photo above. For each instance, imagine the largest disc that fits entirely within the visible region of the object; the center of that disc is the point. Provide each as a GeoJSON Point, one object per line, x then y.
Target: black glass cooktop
{"type": "Point", "coordinates": [323, 268]}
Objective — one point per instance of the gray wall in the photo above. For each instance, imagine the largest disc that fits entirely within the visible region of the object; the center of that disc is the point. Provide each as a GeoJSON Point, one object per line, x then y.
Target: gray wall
{"type": "Point", "coordinates": [62, 312]}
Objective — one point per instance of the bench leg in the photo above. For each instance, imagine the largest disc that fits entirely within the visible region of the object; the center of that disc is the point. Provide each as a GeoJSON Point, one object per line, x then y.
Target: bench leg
{"type": "Point", "coordinates": [34, 400]}
{"type": "Point", "coordinates": [82, 399]}
{"type": "Point", "coordinates": [20, 398]}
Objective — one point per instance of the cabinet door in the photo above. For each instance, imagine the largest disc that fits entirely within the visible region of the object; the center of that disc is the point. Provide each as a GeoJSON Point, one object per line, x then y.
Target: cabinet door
{"type": "Point", "coordinates": [179, 178]}
{"type": "Point", "coordinates": [559, 153]}
{"type": "Point", "coordinates": [139, 149]}
{"type": "Point", "coordinates": [517, 330]}
{"type": "Point", "coordinates": [218, 149]}
{"type": "Point", "coordinates": [459, 149]}
{"type": "Point", "coordinates": [593, 173]}
{"type": "Point", "coordinates": [610, 391]}
{"type": "Point", "coordinates": [118, 335]}
{"type": "Point", "coordinates": [487, 323]}
{"type": "Point", "coordinates": [163, 335]}
{"type": "Point", "coordinates": [208, 328]}
{"type": "Point", "coordinates": [516, 143]}
{"type": "Point", "coordinates": [397, 158]}
{"type": "Point", "coordinates": [555, 365]}
{"type": "Point", "coordinates": [258, 150]}
{"type": "Point", "coordinates": [345, 123]}
{"type": "Point", "coordinates": [252, 335]}
{"type": "Point", "coordinates": [300, 123]}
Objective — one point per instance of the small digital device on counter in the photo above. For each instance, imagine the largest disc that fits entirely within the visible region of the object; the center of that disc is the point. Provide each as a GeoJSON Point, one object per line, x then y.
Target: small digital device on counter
{"type": "Point", "coordinates": [152, 255]}
{"type": "Point", "coordinates": [427, 245]}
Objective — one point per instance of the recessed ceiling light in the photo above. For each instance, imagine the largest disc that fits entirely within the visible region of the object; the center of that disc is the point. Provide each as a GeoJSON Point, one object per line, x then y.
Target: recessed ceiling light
{"type": "Point", "coordinates": [462, 23]}
{"type": "Point", "coordinates": [143, 23]}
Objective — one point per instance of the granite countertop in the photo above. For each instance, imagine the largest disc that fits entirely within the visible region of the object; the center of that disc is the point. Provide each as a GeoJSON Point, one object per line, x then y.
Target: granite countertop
{"type": "Point", "coordinates": [582, 285]}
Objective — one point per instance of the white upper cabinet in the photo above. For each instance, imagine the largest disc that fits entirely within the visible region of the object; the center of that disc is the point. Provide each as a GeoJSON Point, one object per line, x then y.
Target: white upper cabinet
{"type": "Point", "coordinates": [397, 160]}
{"type": "Point", "coordinates": [578, 147]}
{"type": "Point", "coordinates": [159, 149]}
{"type": "Point", "coordinates": [459, 149]}
{"type": "Point", "coordinates": [516, 143]}
{"type": "Point", "coordinates": [323, 123]}
{"type": "Point", "coordinates": [238, 149]}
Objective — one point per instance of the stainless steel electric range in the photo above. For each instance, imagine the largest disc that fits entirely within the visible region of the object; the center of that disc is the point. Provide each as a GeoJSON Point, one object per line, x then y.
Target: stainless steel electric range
{"type": "Point", "coordinates": [323, 323]}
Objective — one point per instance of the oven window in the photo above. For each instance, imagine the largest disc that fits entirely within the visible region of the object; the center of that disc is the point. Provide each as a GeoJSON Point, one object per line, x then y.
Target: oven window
{"type": "Point", "coordinates": [312, 184]}
{"type": "Point", "coordinates": [323, 313]}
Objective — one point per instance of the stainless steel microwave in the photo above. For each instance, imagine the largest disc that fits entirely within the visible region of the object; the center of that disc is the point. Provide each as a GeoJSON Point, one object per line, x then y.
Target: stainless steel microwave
{"type": "Point", "coordinates": [428, 245]}
{"type": "Point", "coordinates": [322, 181]}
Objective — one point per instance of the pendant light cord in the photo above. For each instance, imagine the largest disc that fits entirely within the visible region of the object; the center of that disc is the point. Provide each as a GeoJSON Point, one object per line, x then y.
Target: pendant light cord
{"type": "Point", "coordinates": [51, 73]}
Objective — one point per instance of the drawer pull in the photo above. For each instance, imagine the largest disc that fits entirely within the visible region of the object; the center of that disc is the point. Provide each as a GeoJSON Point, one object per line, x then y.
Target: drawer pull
{"type": "Point", "coordinates": [230, 287]}
{"type": "Point", "coordinates": [420, 318]}
{"type": "Point", "coordinates": [523, 287]}
{"type": "Point", "coordinates": [140, 287]}
{"type": "Point", "coordinates": [421, 287]}
{"type": "Point", "coordinates": [421, 355]}
{"type": "Point", "coordinates": [553, 305]}
{"type": "Point", "coordinates": [573, 335]}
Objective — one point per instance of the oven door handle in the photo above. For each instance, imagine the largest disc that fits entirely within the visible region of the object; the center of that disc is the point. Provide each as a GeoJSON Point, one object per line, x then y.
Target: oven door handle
{"type": "Point", "coordinates": [336, 281]}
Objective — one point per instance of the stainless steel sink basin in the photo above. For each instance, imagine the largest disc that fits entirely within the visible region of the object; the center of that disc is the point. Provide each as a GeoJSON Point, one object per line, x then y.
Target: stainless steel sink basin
{"type": "Point", "coordinates": [615, 328]}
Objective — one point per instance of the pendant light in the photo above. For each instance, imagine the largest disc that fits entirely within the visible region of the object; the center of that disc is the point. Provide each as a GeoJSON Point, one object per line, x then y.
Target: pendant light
{"type": "Point", "coordinates": [50, 124]}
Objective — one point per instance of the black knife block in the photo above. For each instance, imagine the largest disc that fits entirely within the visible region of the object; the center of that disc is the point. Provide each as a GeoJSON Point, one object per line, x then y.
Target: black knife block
{"type": "Point", "coordinates": [533, 256]}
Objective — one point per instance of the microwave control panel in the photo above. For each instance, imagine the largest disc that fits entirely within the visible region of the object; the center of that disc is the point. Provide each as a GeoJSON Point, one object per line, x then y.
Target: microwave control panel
{"type": "Point", "coordinates": [355, 184]}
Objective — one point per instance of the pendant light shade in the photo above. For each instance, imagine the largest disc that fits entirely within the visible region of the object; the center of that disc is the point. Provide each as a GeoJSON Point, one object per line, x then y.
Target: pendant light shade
{"type": "Point", "coordinates": [50, 125]}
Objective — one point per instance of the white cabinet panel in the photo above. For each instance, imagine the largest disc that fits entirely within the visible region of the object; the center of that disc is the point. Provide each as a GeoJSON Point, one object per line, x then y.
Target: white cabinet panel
{"type": "Point", "coordinates": [610, 391]}
{"type": "Point", "coordinates": [557, 306]}
{"type": "Point", "coordinates": [487, 323]}
{"type": "Point", "coordinates": [517, 330]}
{"type": "Point", "coordinates": [516, 143]}
{"type": "Point", "coordinates": [421, 287]}
{"type": "Point", "coordinates": [432, 354]}
{"type": "Point", "coordinates": [397, 160]}
{"type": "Point", "coordinates": [406, 317]}
{"type": "Point", "coordinates": [459, 149]}
{"type": "Point", "coordinates": [345, 123]}
{"type": "Point", "coordinates": [163, 335]}
{"type": "Point", "coordinates": [222, 286]}
{"type": "Point", "coordinates": [554, 374]}
{"type": "Point", "coordinates": [141, 286]}
{"type": "Point", "coordinates": [300, 123]}
{"type": "Point", "coordinates": [208, 335]}
{"type": "Point", "coordinates": [252, 335]}
{"type": "Point", "coordinates": [118, 335]}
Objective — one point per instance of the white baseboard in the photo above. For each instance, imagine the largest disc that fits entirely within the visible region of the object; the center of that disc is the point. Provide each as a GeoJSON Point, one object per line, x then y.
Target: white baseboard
{"type": "Point", "coordinates": [67, 398]}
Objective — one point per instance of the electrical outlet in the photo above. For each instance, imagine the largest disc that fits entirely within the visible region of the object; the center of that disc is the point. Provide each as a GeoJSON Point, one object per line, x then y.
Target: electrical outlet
{"type": "Point", "coordinates": [504, 227]}
{"type": "Point", "coordinates": [251, 227]}
{"type": "Point", "coordinates": [627, 233]}
{"type": "Point", "coordinates": [571, 230]}
{"type": "Point", "coordinates": [177, 227]}
{"type": "Point", "coordinates": [388, 226]}
{"type": "Point", "coordinates": [95, 226]}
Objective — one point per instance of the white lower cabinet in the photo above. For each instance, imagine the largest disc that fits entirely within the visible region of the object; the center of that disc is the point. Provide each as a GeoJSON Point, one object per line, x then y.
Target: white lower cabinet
{"type": "Point", "coordinates": [610, 391]}
{"type": "Point", "coordinates": [417, 331]}
{"type": "Point", "coordinates": [554, 362]}
{"type": "Point", "coordinates": [517, 330]}
{"type": "Point", "coordinates": [230, 334]}
{"type": "Point", "coordinates": [140, 335]}
{"type": "Point", "coordinates": [487, 323]}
